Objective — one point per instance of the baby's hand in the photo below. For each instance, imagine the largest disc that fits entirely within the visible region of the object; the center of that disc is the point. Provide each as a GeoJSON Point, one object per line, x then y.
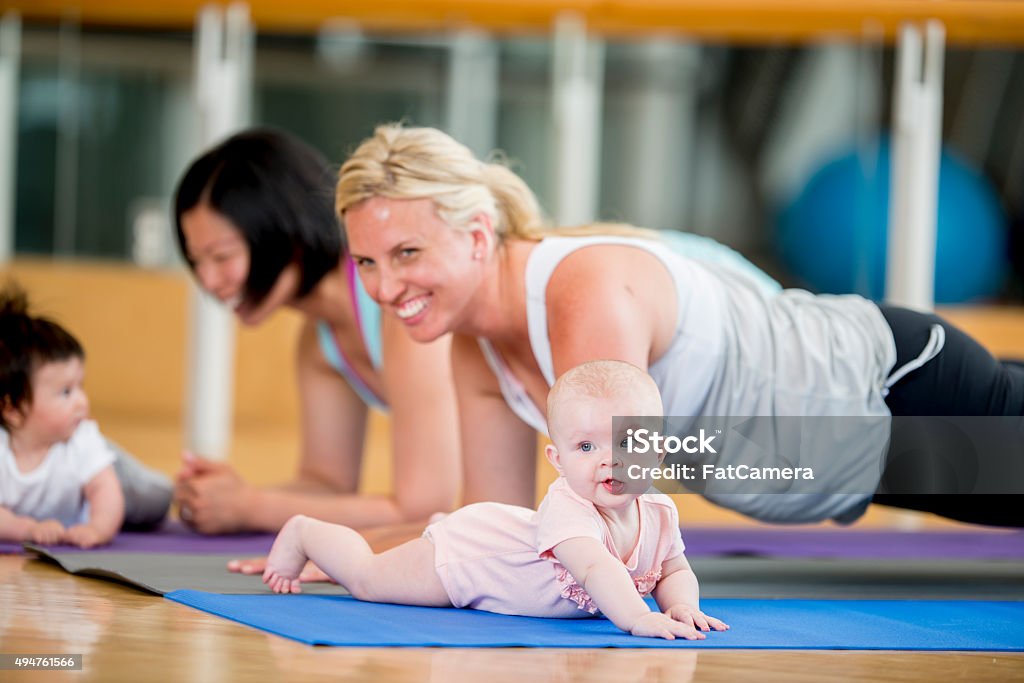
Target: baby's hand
{"type": "Point", "coordinates": [85, 536]}
{"type": "Point", "coordinates": [658, 625]}
{"type": "Point", "coordinates": [46, 532]}
{"type": "Point", "coordinates": [692, 616]}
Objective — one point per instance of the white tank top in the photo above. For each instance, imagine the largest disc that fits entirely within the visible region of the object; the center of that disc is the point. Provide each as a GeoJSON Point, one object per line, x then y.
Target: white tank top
{"type": "Point", "coordinates": [738, 350]}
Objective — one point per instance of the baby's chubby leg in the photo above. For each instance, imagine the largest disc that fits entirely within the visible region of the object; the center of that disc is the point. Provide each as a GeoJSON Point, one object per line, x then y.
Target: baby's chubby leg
{"type": "Point", "coordinates": [403, 575]}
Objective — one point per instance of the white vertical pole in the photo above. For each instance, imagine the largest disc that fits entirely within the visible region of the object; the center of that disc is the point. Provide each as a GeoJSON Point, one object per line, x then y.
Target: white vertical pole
{"type": "Point", "coordinates": [10, 57]}
{"type": "Point", "coordinates": [916, 146]}
{"type": "Point", "coordinates": [224, 47]}
{"type": "Point", "coordinates": [662, 129]}
{"type": "Point", "coordinates": [472, 107]}
{"type": "Point", "coordinates": [578, 85]}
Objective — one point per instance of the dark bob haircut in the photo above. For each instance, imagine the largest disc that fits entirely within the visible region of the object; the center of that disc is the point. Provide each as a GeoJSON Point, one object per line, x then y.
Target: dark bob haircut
{"type": "Point", "coordinates": [26, 343]}
{"type": "Point", "coordinates": [279, 193]}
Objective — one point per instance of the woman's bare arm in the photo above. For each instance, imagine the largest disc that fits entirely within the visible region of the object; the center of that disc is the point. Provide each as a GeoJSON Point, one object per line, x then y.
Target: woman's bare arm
{"type": "Point", "coordinates": [499, 450]}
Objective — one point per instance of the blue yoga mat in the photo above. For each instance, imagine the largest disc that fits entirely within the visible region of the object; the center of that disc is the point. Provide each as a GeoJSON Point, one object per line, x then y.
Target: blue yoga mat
{"type": "Point", "coordinates": [756, 624]}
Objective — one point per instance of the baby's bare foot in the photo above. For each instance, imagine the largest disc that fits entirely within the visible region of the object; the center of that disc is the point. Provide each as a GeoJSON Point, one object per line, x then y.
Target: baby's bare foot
{"type": "Point", "coordinates": [286, 559]}
{"type": "Point", "coordinates": [280, 584]}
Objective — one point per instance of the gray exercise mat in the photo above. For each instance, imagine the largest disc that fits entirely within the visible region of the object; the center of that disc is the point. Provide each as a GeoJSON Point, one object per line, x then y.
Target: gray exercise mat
{"type": "Point", "coordinates": [728, 577]}
{"type": "Point", "coordinates": [823, 579]}
{"type": "Point", "coordinates": [163, 572]}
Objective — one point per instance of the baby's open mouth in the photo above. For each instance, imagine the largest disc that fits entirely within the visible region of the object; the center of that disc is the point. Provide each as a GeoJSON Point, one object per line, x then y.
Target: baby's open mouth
{"type": "Point", "coordinates": [613, 486]}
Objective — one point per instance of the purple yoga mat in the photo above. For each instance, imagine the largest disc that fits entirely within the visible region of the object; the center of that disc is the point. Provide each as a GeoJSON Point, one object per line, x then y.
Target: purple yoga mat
{"type": "Point", "coordinates": [700, 542]}
{"type": "Point", "coordinates": [173, 537]}
{"type": "Point", "coordinates": [854, 544]}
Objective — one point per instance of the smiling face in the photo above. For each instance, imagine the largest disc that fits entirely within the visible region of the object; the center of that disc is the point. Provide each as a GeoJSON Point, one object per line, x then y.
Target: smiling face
{"type": "Point", "coordinates": [220, 258]}
{"type": "Point", "coordinates": [589, 455]}
{"type": "Point", "coordinates": [416, 265]}
{"type": "Point", "coordinates": [58, 406]}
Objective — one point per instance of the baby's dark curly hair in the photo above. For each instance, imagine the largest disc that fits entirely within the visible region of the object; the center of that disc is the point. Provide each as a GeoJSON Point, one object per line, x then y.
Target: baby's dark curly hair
{"type": "Point", "coordinates": [27, 342]}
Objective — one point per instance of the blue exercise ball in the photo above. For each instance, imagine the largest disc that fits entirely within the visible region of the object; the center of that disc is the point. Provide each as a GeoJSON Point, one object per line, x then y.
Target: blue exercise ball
{"type": "Point", "coordinates": [833, 236]}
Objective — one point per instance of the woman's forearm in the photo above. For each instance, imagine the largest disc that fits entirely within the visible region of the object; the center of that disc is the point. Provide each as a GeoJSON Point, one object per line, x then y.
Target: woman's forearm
{"type": "Point", "coordinates": [305, 485]}
{"type": "Point", "coordinates": [272, 507]}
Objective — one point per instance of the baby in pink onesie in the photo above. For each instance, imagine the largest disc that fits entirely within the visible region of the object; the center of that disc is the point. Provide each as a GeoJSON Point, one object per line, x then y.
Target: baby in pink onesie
{"type": "Point", "coordinates": [598, 543]}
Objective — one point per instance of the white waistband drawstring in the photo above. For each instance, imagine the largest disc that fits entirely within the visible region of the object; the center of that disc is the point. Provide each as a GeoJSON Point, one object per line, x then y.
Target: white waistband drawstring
{"type": "Point", "coordinates": [936, 340]}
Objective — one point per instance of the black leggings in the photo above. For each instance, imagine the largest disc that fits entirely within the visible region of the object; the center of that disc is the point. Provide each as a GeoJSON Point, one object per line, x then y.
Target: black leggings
{"type": "Point", "coordinates": [962, 380]}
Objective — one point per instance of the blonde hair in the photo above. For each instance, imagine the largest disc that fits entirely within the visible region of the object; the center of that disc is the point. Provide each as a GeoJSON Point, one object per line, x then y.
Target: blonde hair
{"type": "Point", "coordinates": [417, 163]}
{"type": "Point", "coordinates": [425, 163]}
{"type": "Point", "coordinates": [602, 379]}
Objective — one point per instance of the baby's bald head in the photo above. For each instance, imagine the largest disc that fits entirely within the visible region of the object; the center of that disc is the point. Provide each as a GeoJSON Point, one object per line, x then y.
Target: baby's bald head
{"type": "Point", "coordinates": [602, 379]}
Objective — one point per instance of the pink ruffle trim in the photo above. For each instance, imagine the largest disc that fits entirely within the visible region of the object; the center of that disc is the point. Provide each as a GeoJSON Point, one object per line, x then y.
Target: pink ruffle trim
{"type": "Point", "coordinates": [575, 592]}
{"type": "Point", "coordinates": [646, 583]}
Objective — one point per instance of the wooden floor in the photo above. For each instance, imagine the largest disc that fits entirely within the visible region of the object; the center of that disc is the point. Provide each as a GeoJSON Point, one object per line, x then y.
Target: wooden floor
{"type": "Point", "coordinates": [126, 635]}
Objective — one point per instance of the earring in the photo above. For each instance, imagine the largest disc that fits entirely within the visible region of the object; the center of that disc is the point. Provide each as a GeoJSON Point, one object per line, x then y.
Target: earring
{"type": "Point", "coordinates": [477, 256]}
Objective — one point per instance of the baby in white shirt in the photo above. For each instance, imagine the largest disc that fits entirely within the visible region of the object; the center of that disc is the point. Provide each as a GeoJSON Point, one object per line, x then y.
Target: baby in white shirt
{"type": "Point", "coordinates": [57, 478]}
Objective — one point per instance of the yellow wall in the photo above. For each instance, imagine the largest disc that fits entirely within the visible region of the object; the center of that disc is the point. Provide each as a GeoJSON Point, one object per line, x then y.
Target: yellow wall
{"type": "Point", "coordinates": [134, 325]}
{"type": "Point", "coordinates": [131, 323]}
{"type": "Point", "coordinates": [736, 21]}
